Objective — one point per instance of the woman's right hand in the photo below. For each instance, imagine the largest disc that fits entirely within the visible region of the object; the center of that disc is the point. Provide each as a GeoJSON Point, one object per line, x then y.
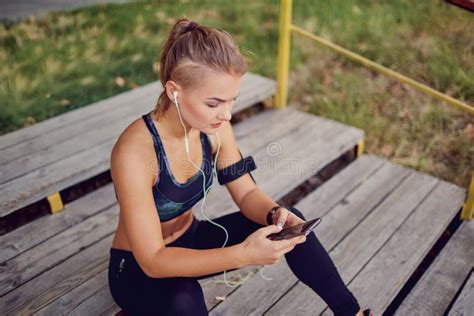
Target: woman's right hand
{"type": "Point", "coordinates": [257, 249]}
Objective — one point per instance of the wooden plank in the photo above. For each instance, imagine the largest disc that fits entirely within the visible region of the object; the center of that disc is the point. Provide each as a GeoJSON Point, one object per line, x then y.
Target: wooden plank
{"type": "Point", "coordinates": [124, 109]}
{"type": "Point", "coordinates": [257, 296]}
{"type": "Point", "coordinates": [464, 305]}
{"type": "Point", "coordinates": [19, 240]}
{"type": "Point", "coordinates": [266, 88]}
{"type": "Point", "coordinates": [77, 166]}
{"type": "Point", "coordinates": [26, 266]}
{"type": "Point", "coordinates": [440, 283]}
{"type": "Point", "coordinates": [333, 191]}
{"type": "Point", "coordinates": [363, 242]}
{"type": "Point", "coordinates": [63, 120]}
{"type": "Point", "coordinates": [323, 141]}
{"type": "Point", "coordinates": [375, 286]}
{"type": "Point", "coordinates": [55, 177]}
{"type": "Point", "coordinates": [75, 298]}
{"type": "Point", "coordinates": [94, 133]}
{"type": "Point", "coordinates": [78, 241]}
{"type": "Point", "coordinates": [58, 280]}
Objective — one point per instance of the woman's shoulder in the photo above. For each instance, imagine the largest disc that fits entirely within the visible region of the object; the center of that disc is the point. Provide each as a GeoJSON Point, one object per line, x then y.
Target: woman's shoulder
{"type": "Point", "coordinates": [134, 145]}
{"type": "Point", "coordinates": [134, 137]}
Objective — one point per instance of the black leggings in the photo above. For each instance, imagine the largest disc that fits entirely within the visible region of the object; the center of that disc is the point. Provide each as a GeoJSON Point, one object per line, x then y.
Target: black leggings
{"type": "Point", "coordinates": [138, 294]}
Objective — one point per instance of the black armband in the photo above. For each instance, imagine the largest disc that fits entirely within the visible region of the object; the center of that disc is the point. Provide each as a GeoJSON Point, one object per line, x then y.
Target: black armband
{"type": "Point", "coordinates": [236, 170]}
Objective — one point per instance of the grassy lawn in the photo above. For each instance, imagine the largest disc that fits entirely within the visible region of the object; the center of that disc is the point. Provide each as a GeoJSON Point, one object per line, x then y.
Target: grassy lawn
{"type": "Point", "coordinates": [68, 60]}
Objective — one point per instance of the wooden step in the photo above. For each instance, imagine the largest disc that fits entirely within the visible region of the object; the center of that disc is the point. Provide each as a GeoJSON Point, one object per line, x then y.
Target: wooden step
{"type": "Point", "coordinates": [464, 304]}
{"type": "Point", "coordinates": [57, 153]}
{"type": "Point", "coordinates": [444, 278]}
{"type": "Point", "coordinates": [377, 232]}
{"type": "Point", "coordinates": [65, 260]}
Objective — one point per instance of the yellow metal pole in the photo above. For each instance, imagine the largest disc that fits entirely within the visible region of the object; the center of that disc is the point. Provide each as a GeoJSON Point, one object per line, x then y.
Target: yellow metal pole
{"type": "Point", "coordinates": [360, 148]}
{"type": "Point", "coordinates": [468, 209]}
{"type": "Point", "coordinates": [284, 47]}
{"type": "Point", "coordinates": [386, 71]}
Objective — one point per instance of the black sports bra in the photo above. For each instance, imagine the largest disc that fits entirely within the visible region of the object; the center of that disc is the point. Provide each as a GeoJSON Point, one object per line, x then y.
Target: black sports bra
{"type": "Point", "coordinates": [173, 198]}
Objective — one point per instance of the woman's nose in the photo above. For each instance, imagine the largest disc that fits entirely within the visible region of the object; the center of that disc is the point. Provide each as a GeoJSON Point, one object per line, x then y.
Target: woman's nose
{"type": "Point", "coordinates": [226, 114]}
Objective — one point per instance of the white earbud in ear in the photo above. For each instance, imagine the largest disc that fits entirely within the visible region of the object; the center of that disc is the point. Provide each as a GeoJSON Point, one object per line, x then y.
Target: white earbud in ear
{"type": "Point", "coordinates": [175, 96]}
{"type": "Point", "coordinates": [186, 141]}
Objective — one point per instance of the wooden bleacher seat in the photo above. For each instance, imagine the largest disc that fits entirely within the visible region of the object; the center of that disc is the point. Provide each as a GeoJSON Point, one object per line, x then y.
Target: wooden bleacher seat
{"type": "Point", "coordinates": [448, 280]}
{"type": "Point", "coordinates": [379, 222]}
{"type": "Point", "coordinates": [464, 304]}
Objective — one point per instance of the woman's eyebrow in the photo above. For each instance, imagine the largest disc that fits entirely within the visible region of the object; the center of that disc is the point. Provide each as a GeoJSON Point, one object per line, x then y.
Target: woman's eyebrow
{"type": "Point", "coordinates": [217, 99]}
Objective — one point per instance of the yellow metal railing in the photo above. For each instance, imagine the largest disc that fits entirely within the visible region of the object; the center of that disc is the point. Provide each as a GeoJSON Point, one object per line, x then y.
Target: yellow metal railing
{"type": "Point", "coordinates": [283, 66]}
{"type": "Point", "coordinates": [468, 208]}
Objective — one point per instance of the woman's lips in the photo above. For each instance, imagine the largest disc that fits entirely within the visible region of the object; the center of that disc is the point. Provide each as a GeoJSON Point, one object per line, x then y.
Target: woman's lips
{"type": "Point", "coordinates": [216, 125]}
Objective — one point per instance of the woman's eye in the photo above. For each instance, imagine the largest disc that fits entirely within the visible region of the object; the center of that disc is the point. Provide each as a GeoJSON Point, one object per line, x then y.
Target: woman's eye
{"type": "Point", "coordinates": [213, 105]}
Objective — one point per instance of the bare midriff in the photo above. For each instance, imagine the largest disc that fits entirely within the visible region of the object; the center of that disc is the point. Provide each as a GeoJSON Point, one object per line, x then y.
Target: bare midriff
{"type": "Point", "coordinates": [171, 230]}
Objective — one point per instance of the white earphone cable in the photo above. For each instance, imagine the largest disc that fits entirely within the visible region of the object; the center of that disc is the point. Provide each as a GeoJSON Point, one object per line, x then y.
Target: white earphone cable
{"type": "Point", "coordinates": [214, 171]}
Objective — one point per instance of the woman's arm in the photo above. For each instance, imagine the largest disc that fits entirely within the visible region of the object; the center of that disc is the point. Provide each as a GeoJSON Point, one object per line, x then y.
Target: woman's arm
{"type": "Point", "coordinates": [251, 200]}
{"type": "Point", "coordinates": [256, 203]}
{"type": "Point", "coordinates": [186, 262]}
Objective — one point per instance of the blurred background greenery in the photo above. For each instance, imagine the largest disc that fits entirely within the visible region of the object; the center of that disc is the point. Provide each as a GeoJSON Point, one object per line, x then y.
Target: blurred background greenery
{"type": "Point", "coordinates": [64, 61]}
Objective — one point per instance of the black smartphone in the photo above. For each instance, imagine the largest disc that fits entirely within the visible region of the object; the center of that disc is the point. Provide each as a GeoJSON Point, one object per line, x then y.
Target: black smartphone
{"type": "Point", "coordinates": [297, 230]}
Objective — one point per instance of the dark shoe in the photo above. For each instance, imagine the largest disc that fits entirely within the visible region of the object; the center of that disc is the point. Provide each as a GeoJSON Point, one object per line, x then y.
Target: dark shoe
{"type": "Point", "coordinates": [368, 312]}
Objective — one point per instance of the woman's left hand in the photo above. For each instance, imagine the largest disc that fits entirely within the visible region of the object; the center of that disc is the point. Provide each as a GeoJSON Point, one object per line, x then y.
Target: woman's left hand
{"type": "Point", "coordinates": [286, 218]}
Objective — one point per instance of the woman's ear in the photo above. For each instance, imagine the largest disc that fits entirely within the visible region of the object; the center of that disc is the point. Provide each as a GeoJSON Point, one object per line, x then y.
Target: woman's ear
{"type": "Point", "coordinates": [170, 87]}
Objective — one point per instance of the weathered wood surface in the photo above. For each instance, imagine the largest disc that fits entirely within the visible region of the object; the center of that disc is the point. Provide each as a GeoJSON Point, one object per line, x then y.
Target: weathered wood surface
{"type": "Point", "coordinates": [377, 234]}
{"type": "Point", "coordinates": [32, 278]}
{"type": "Point", "coordinates": [464, 305]}
{"type": "Point", "coordinates": [382, 278]}
{"type": "Point", "coordinates": [439, 284]}
{"type": "Point", "coordinates": [379, 219]}
{"type": "Point", "coordinates": [363, 238]}
{"type": "Point", "coordinates": [54, 154]}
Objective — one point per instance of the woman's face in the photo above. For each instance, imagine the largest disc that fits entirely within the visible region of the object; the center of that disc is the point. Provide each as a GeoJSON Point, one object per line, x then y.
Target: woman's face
{"type": "Point", "coordinates": [211, 103]}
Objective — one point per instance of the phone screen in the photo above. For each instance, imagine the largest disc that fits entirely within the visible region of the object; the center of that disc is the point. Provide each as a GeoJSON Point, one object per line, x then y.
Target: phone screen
{"type": "Point", "coordinates": [297, 230]}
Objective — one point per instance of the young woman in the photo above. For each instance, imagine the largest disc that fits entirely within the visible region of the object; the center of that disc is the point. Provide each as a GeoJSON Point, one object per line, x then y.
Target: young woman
{"type": "Point", "coordinates": [160, 249]}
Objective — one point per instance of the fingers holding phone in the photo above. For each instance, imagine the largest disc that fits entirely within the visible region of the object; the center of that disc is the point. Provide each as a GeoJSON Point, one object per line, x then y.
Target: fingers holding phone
{"type": "Point", "coordinates": [258, 249]}
{"type": "Point", "coordinates": [297, 230]}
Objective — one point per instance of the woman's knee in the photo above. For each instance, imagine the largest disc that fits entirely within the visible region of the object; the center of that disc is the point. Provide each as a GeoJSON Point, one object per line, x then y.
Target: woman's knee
{"type": "Point", "coordinates": [187, 298]}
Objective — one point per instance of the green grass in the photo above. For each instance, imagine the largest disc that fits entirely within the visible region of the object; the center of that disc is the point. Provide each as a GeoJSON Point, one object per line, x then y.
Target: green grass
{"type": "Point", "coordinates": [427, 41]}
{"type": "Point", "coordinates": [68, 60]}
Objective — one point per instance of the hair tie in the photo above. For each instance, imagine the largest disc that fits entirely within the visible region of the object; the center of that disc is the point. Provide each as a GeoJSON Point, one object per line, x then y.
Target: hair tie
{"type": "Point", "coordinates": [191, 26]}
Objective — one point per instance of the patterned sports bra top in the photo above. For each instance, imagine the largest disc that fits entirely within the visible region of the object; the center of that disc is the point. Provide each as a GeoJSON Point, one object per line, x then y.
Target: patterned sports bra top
{"type": "Point", "coordinates": [173, 198]}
